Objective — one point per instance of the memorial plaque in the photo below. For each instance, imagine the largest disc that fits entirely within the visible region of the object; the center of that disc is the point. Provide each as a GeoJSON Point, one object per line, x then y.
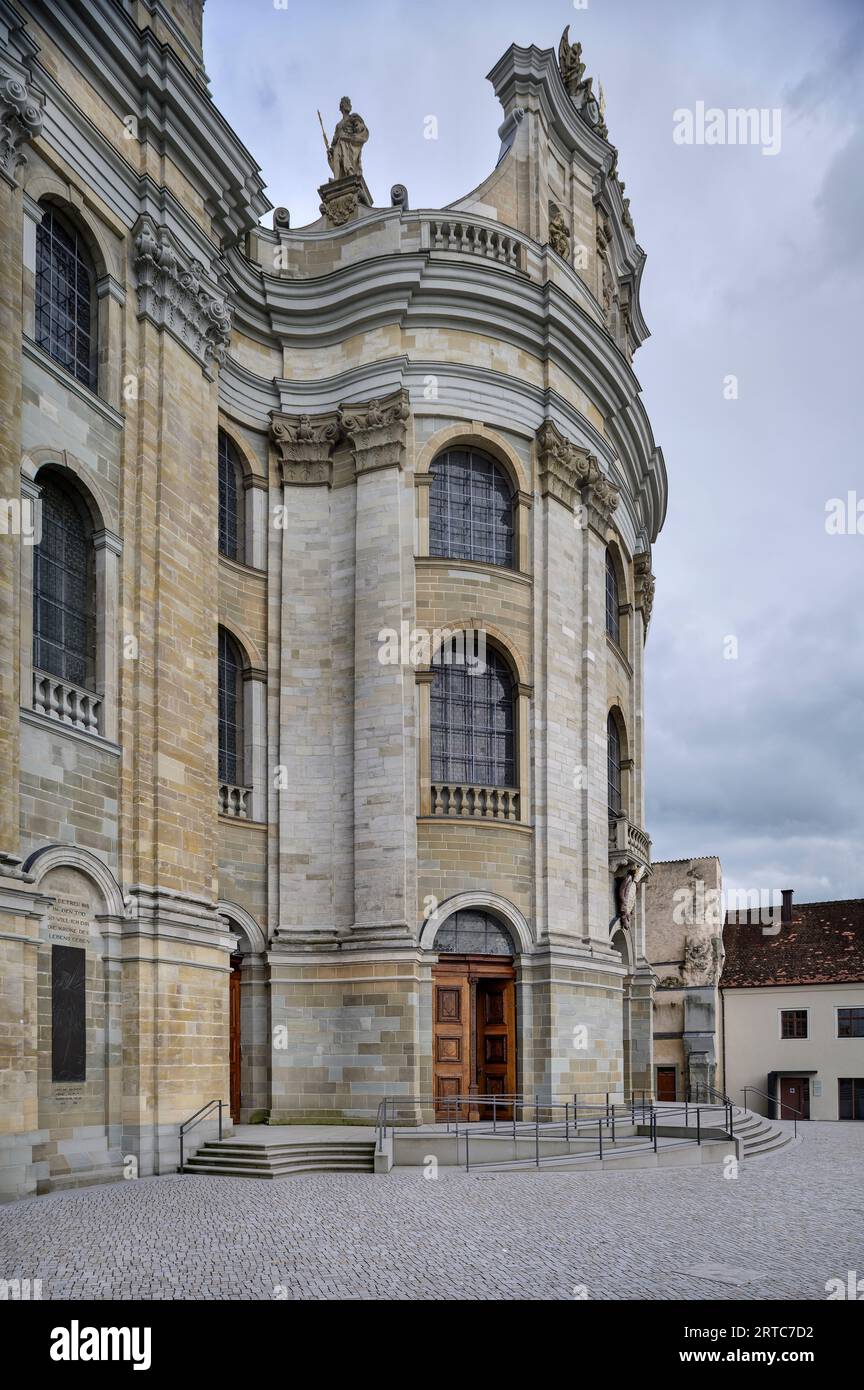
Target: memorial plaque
{"type": "Point", "coordinates": [68, 1031]}
{"type": "Point", "coordinates": [69, 920]}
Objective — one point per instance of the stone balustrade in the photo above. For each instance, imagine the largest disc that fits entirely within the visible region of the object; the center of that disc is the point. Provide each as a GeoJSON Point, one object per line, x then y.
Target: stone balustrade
{"type": "Point", "coordinates": [628, 841]}
{"type": "Point", "coordinates": [493, 803]}
{"type": "Point", "coordinates": [234, 801]}
{"type": "Point", "coordinates": [473, 238]}
{"type": "Point", "coordinates": [67, 703]}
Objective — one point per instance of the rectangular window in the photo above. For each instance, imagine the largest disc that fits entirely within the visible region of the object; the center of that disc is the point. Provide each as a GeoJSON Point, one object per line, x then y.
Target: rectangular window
{"type": "Point", "coordinates": [850, 1097]}
{"type": "Point", "coordinates": [850, 1023]}
{"type": "Point", "coordinates": [68, 1028]}
{"type": "Point", "coordinates": [793, 1023]}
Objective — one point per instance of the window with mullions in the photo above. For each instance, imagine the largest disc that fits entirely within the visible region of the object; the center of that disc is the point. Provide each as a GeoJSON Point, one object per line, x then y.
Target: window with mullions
{"type": "Point", "coordinates": [613, 765]}
{"type": "Point", "coordinates": [471, 509]}
{"type": "Point", "coordinates": [63, 588]}
{"type": "Point", "coordinates": [473, 933]}
{"type": "Point", "coordinates": [230, 500]}
{"type": "Point", "coordinates": [613, 619]}
{"type": "Point", "coordinates": [230, 707]}
{"type": "Point", "coordinates": [473, 723]}
{"type": "Point", "coordinates": [65, 312]}
{"type": "Point", "coordinates": [850, 1023]}
{"type": "Point", "coordinates": [793, 1023]}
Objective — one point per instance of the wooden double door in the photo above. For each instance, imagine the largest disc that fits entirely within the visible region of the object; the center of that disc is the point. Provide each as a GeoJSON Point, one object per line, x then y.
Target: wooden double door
{"type": "Point", "coordinates": [473, 1035]}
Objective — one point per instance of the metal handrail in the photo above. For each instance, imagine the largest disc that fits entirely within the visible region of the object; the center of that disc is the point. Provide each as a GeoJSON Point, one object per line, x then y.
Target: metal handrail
{"type": "Point", "coordinates": [388, 1119]}
{"type": "Point", "coordinates": [196, 1120]}
{"type": "Point", "coordinates": [773, 1100]}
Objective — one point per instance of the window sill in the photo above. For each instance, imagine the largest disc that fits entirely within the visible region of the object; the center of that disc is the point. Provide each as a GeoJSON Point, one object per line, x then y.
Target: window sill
{"type": "Point", "coordinates": [479, 567]}
{"type": "Point", "coordinates": [69, 382]}
{"type": "Point", "coordinates": [56, 726]}
{"type": "Point", "coordinates": [241, 567]}
{"type": "Point", "coordinates": [619, 652]}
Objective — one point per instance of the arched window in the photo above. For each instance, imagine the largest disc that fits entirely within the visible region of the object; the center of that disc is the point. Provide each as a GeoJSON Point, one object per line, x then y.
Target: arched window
{"type": "Point", "coordinates": [230, 500]}
{"type": "Point", "coordinates": [65, 297]}
{"type": "Point", "coordinates": [64, 587]}
{"type": "Point", "coordinates": [613, 620]}
{"type": "Point", "coordinates": [613, 765]}
{"type": "Point", "coordinates": [230, 710]}
{"type": "Point", "coordinates": [473, 721]}
{"type": "Point", "coordinates": [473, 933]}
{"type": "Point", "coordinates": [471, 509]}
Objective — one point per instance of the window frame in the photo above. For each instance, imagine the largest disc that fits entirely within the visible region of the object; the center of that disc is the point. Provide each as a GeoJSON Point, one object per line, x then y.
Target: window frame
{"type": "Point", "coordinates": [454, 702]}
{"type": "Point", "coordinates": [238, 753]}
{"type": "Point", "coordinates": [612, 728]}
{"type": "Point", "coordinates": [45, 597]}
{"type": "Point", "coordinates": [228, 456]}
{"type": "Point", "coordinates": [795, 1037]}
{"type": "Point", "coordinates": [613, 600]}
{"type": "Point", "coordinates": [502, 535]}
{"type": "Point", "coordinates": [48, 306]}
{"type": "Point", "coordinates": [848, 1008]}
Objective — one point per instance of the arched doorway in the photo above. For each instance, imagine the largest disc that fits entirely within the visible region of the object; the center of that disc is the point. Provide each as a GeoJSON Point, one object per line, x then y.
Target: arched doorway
{"type": "Point", "coordinates": [474, 1016]}
{"type": "Point", "coordinates": [249, 1059]}
{"type": "Point", "coordinates": [621, 943]}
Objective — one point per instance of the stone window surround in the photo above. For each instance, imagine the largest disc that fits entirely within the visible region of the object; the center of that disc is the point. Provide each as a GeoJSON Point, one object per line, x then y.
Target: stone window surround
{"type": "Point", "coordinates": [254, 759]}
{"type": "Point", "coordinates": [626, 759]}
{"type": "Point", "coordinates": [255, 515]}
{"type": "Point", "coordinates": [523, 692]}
{"type": "Point", "coordinates": [108, 548]}
{"type": "Point", "coordinates": [623, 647]}
{"type": "Point", "coordinates": [110, 293]}
{"type": "Point", "coordinates": [475, 435]}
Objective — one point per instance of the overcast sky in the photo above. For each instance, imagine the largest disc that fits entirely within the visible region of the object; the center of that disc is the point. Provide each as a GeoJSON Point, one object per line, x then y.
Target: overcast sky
{"type": "Point", "coordinates": [754, 268]}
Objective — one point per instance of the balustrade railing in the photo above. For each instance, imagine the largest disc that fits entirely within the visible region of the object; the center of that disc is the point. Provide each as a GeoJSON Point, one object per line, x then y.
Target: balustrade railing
{"type": "Point", "coordinates": [472, 238]}
{"type": "Point", "coordinates": [67, 703]}
{"type": "Point", "coordinates": [234, 801]}
{"type": "Point", "coordinates": [495, 803]}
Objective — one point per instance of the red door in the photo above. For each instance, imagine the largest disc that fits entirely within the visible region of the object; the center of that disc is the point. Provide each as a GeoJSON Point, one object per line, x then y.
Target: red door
{"type": "Point", "coordinates": [794, 1097]}
{"type": "Point", "coordinates": [234, 1040]}
{"type": "Point", "coordinates": [666, 1083]}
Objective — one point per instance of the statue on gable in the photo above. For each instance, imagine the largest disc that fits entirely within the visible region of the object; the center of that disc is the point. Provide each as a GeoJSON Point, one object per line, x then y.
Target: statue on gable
{"type": "Point", "coordinates": [579, 88]}
{"type": "Point", "coordinates": [344, 151]}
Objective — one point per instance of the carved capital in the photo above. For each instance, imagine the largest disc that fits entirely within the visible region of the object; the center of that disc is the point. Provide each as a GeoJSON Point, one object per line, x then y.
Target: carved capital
{"type": "Point", "coordinates": [20, 121]}
{"type": "Point", "coordinates": [377, 431]}
{"type": "Point", "coordinates": [644, 583]}
{"type": "Point", "coordinates": [305, 446]}
{"type": "Point", "coordinates": [174, 293]}
{"type": "Point", "coordinates": [572, 475]}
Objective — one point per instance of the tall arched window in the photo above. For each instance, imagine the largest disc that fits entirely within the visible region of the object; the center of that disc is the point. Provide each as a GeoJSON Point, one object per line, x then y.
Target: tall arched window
{"type": "Point", "coordinates": [230, 710]}
{"type": "Point", "coordinates": [64, 587]}
{"type": "Point", "coordinates": [471, 509]}
{"type": "Point", "coordinates": [473, 933]}
{"type": "Point", "coordinates": [65, 297]}
{"type": "Point", "coordinates": [473, 722]}
{"type": "Point", "coordinates": [613, 765]}
{"type": "Point", "coordinates": [231, 502]}
{"type": "Point", "coordinates": [613, 619]}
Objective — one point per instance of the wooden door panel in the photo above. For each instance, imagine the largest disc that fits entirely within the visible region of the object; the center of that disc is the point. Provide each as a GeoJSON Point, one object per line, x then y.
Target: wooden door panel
{"type": "Point", "coordinates": [666, 1083]}
{"type": "Point", "coordinates": [496, 1042]}
{"type": "Point", "coordinates": [451, 1052]}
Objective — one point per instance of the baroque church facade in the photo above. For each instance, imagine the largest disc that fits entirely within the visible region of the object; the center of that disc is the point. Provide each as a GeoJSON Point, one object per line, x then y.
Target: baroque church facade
{"type": "Point", "coordinates": [325, 569]}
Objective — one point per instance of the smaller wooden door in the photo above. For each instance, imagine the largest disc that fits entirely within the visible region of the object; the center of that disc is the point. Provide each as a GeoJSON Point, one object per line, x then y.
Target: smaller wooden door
{"type": "Point", "coordinates": [451, 1042]}
{"type": "Point", "coordinates": [496, 1032]}
{"type": "Point", "coordinates": [234, 1039]}
{"type": "Point", "coordinates": [666, 1083]}
{"type": "Point", "coordinates": [795, 1097]}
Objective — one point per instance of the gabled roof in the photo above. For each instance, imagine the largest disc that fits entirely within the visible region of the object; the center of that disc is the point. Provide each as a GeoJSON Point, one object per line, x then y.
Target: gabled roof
{"type": "Point", "coordinates": [823, 944]}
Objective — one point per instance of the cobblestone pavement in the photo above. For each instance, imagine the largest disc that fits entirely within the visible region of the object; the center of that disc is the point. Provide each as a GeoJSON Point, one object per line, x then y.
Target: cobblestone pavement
{"type": "Point", "coordinates": [796, 1219]}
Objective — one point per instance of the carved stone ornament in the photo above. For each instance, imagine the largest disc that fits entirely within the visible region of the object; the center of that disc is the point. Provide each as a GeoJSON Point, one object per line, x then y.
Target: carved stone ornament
{"type": "Point", "coordinates": [570, 474]}
{"type": "Point", "coordinates": [644, 583]}
{"type": "Point", "coordinates": [173, 292]}
{"type": "Point", "coordinates": [20, 121]}
{"type": "Point", "coordinates": [579, 87]}
{"type": "Point", "coordinates": [341, 198]}
{"type": "Point", "coordinates": [559, 232]}
{"type": "Point", "coordinates": [377, 431]}
{"type": "Point", "coordinates": [305, 446]}
{"type": "Point", "coordinates": [607, 283]}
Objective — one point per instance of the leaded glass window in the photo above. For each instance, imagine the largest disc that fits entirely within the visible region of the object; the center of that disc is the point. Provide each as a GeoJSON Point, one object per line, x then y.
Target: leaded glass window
{"type": "Point", "coordinates": [613, 621]}
{"type": "Point", "coordinates": [230, 711]}
{"type": "Point", "coordinates": [63, 588]}
{"type": "Point", "coordinates": [473, 933]}
{"type": "Point", "coordinates": [613, 765]}
{"type": "Point", "coordinates": [65, 312]}
{"type": "Point", "coordinates": [230, 500]}
{"type": "Point", "coordinates": [470, 509]}
{"type": "Point", "coordinates": [473, 723]}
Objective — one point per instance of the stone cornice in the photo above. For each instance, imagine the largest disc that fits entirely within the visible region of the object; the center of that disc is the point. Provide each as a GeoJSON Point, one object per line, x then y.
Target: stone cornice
{"type": "Point", "coordinates": [572, 474]}
{"type": "Point", "coordinates": [21, 109]}
{"type": "Point", "coordinates": [305, 446]}
{"type": "Point", "coordinates": [377, 431]}
{"type": "Point", "coordinates": [174, 295]}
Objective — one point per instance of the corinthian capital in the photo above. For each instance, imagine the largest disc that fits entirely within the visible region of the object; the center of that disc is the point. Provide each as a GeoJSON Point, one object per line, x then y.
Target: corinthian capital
{"type": "Point", "coordinates": [175, 292]}
{"type": "Point", "coordinates": [20, 121]}
{"type": "Point", "coordinates": [571, 474]}
{"type": "Point", "coordinates": [305, 446]}
{"type": "Point", "coordinates": [377, 431]}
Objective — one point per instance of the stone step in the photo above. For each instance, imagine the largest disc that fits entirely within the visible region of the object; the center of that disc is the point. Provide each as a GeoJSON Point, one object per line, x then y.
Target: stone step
{"type": "Point", "coordinates": [285, 1170]}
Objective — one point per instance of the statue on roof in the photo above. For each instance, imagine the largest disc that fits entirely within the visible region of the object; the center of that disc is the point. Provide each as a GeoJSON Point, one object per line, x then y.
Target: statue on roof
{"type": "Point", "coordinates": [579, 87]}
{"type": "Point", "coordinates": [345, 150]}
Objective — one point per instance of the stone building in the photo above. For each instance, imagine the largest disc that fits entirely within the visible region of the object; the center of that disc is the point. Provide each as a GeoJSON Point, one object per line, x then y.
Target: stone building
{"type": "Point", "coordinates": [321, 693]}
{"type": "Point", "coordinates": [684, 944]}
